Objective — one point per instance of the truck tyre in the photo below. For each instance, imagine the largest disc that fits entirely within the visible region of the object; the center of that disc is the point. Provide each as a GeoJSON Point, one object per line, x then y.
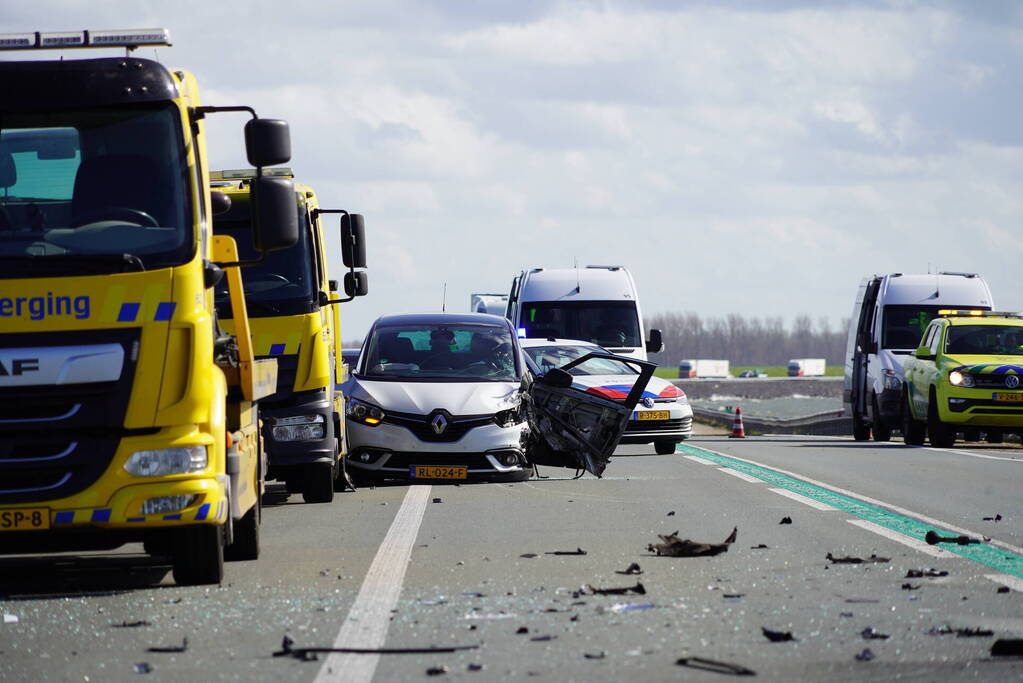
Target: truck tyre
{"type": "Point", "coordinates": [940, 434]}
{"type": "Point", "coordinates": [861, 430]}
{"type": "Point", "coordinates": [246, 537]}
{"type": "Point", "coordinates": [198, 555]}
{"type": "Point", "coordinates": [664, 447]}
{"type": "Point", "coordinates": [882, 432]}
{"type": "Point", "coordinates": [319, 483]}
{"type": "Point", "coordinates": [913, 432]}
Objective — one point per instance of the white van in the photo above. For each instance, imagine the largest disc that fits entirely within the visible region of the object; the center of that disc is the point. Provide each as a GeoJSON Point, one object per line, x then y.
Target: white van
{"type": "Point", "coordinates": [888, 319]}
{"type": "Point", "coordinates": [597, 304]}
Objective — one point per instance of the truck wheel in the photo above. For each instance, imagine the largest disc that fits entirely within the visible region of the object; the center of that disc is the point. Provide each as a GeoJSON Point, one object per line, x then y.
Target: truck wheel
{"type": "Point", "coordinates": [198, 555]}
{"type": "Point", "coordinates": [881, 431]}
{"type": "Point", "coordinates": [319, 483]}
{"type": "Point", "coordinates": [995, 436]}
{"type": "Point", "coordinates": [246, 537]}
{"type": "Point", "coordinates": [861, 430]}
{"type": "Point", "coordinates": [913, 431]}
{"type": "Point", "coordinates": [940, 434]}
{"type": "Point", "coordinates": [664, 447]}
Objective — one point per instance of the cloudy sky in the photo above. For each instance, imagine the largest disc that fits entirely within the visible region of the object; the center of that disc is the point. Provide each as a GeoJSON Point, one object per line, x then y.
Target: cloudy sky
{"type": "Point", "coordinates": [739, 157]}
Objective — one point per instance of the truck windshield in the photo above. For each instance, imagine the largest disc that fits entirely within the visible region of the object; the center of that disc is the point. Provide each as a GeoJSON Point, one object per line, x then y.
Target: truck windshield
{"type": "Point", "coordinates": [547, 357]}
{"type": "Point", "coordinates": [985, 340]}
{"type": "Point", "coordinates": [284, 283]}
{"type": "Point", "coordinates": [441, 352]}
{"type": "Point", "coordinates": [82, 188]}
{"type": "Point", "coordinates": [904, 325]}
{"type": "Point", "coordinates": [607, 323]}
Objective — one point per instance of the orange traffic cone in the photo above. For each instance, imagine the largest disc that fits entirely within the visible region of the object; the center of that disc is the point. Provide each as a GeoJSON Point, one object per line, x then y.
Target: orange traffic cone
{"type": "Point", "coordinates": [738, 432]}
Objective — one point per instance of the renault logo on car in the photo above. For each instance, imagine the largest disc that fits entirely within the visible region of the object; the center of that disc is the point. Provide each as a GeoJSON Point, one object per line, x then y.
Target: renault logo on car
{"type": "Point", "coordinates": [439, 424]}
{"type": "Point", "coordinates": [1012, 381]}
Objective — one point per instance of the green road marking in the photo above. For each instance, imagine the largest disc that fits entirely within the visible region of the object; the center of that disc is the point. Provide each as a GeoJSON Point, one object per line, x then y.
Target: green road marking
{"type": "Point", "coordinates": [992, 556]}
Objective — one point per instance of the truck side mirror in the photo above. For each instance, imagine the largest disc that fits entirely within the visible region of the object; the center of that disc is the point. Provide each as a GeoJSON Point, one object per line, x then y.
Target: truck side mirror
{"type": "Point", "coordinates": [267, 142]}
{"type": "Point", "coordinates": [353, 241]}
{"type": "Point", "coordinates": [356, 283]}
{"type": "Point", "coordinates": [276, 216]}
{"type": "Point", "coordinates": [656, 343]}
{"type": "Point", "coordinates": [924, 353]}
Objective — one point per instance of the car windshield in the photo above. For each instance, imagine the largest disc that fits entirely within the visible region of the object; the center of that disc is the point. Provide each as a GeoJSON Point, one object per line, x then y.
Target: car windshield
{"type": "Point", "coordinates": [607, 323]}
{"type": "Point", "coordinates": [985, 340]}
{"type": "Point", "coordinates": [547, 357]}
{"type": "Point", "coordinates": [284, 282]}
{"type": "Point", "coordinates": [904, 325]}
{"type": "Point", "coordinates": [441, 352]}
{"type": "Point", "coordinates": [88, 186]}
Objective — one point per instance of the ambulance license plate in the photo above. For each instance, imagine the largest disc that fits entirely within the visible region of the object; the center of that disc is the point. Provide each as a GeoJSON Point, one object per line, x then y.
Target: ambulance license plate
{"type": "Point", "coordinates": [438, 472]}
{"type": "Point", "coordinates": [654, 415]}
{"type": "Point", "coordinates": [25, 519]}
{"type": "Point", "coordinates": [1002, 396]}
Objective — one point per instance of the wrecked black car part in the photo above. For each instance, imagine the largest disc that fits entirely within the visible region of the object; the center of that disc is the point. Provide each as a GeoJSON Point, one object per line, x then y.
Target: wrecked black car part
{"type": "Point", "coordinates": [715, 666]}
{"type": "Point", "coordinates": [673, 546]}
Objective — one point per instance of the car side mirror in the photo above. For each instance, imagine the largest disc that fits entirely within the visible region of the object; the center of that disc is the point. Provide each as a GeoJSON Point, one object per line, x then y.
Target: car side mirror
{"type": "Point", "coordinates": [556, 378]}
{"type": "Point", "coordinates": [655, 343]}
{"type": "Point", "coordinates": [276, 216]}
{"type": "Point", "coordinates": [267, 142]}
{"type": "Point", "coordinates": [924, 353]}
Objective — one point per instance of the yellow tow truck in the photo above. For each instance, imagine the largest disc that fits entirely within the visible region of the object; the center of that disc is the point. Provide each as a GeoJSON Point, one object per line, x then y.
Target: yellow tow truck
{"type": "Point", "coordinates": [295, 320]}
{"type": "Point", "coordinates": [126, 413]}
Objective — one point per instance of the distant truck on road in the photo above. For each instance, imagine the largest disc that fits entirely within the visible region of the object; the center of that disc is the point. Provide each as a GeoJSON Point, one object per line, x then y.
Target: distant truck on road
{"type": "Point", "coordinates": [806, 367]}
{"type": "Point", "coordinates": [888, 319]}
{"type": "Point", "coordinates": [703, 368]}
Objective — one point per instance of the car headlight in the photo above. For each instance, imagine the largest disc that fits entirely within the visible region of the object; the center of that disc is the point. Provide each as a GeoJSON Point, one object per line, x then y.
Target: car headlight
{"type": "Point", "coordinates": [960, 379]}
{"type": "Point", "coordinates": [364, 413]}
{"type": "Point", "coordinates": [892, 381]}
{"type": "Point", "coordinates": [508, 418]}
{"type": "Point", "coordinates": [163, 461]}
{"type": "Point", "coordinates": [298, 428]}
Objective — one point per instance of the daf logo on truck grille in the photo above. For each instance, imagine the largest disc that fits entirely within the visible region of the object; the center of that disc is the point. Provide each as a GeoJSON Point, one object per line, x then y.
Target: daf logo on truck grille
{"type": "Point", "coordinates": [439, 424]}
{"type": "Point", "coordinates": [1012, 381]}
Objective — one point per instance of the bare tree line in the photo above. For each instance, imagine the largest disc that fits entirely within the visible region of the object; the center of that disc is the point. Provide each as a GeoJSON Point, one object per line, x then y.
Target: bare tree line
{"type": "Point", "coordinates": [746, 340]}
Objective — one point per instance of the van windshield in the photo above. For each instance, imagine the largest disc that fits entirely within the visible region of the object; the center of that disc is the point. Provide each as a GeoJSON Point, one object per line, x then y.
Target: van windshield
{"type": "Point", "coordinates": [904, 325]}
{"type": "Point", "coordinates": [606, 323]}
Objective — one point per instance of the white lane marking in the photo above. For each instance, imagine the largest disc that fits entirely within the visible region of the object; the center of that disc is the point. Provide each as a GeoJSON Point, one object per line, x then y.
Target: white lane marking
{"type": "Point", "coordinates": [741, 475]}
{"type": "Point", "coordinates": [1013, 582]}
{"type": "Point", "coordinates": [956, 451]}
{"type": "Point", "coordinates": [874, 501]}
{"type": "Point", "coordinates": [367, 622]}
{"type": "Point", "coordinates": [895, 444]}
{"type": "Point", "coordinates": [699, 460]}
{"type": "Point", "coordinates": [913, 543]}
{"type": "Point", "coordinates": [804, 500]}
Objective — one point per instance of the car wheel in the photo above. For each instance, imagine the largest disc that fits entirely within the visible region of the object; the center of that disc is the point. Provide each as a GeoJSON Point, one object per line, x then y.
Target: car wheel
{"type": "Point", "coordinates": [913, 431]}
{"type": "Point", "coordinates": [881, 431]}
{"type": "Point", "coordinates": [940, 434]}
{"type": "Point", "coordinates": [664, 447]}
{"type": "Point", "coordinates": [319, 483]}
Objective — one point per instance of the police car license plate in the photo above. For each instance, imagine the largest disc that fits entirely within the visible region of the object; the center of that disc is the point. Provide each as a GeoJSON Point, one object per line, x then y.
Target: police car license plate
{"type": "Point", "coordinates": [25, 519]}
{"type": "Point", "coordinates": [1002, 396]}
{"type": "Point", "coordinates": [438, 472]}
{"type": "Point", "coordinates": [654, 415]}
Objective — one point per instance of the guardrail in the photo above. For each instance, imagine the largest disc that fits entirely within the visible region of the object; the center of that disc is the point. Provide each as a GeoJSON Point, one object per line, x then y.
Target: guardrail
{"type": "Point", "coordinates": [830, 423]}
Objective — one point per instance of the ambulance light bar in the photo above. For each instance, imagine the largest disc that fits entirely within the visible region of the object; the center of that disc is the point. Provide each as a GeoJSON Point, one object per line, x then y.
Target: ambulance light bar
{"type": "Point", "coordinates": [956, 313]}
{"type": "Point", "coordinates": [59, 40]}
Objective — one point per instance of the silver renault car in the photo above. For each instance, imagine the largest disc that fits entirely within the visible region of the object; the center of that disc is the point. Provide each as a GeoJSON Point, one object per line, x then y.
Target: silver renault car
{"type": "Point", "coordinates": [447, 396]}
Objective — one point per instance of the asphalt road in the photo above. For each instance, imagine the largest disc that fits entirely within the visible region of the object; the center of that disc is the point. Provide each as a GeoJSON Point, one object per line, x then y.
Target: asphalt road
{"type": "Point", "coordinates": [448, 566]}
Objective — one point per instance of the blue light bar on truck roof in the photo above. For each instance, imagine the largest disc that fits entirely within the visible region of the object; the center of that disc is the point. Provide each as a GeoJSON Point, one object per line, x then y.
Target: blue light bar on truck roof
{"type": "Point", "coordinates": [60, 40]}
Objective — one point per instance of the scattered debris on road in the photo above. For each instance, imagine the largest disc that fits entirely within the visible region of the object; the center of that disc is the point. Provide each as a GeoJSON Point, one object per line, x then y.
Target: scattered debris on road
{"type": "Point", "coordinates": [577, 551]}
{"type": "Point", "coordinates": [871, 633]}
{"type": "Point", "coordinates": [759, 546]}
{"type": "Point", "coordinates": [529, 556]}
{"type": "Point", "coordinates": [10, 618]}
{"type": "Point", "coordinates": [542, 639]}
{"type": "Point", "coordinates": [437, 500]}
{"type": "Point", "coordinates": [308, 654]}
{"type": "Point", "coordinates": [1003, 589]}
{"type": "Point", "coordinates": [171, 648]}
{"type": "Point", "coordinates": [437, 670]}
{"type": "Point", "coordinates": [638, 589]}
{"type": "Point", "coordinates": [132, 624]}
{"type": "Point", "coordinates": [671, 513]}
{"type": "Point", "coordinates": [715, 666]}
{"type": "Point", "coordinates": [522, 630]}
{"type": "Point", "coordinates": [865, 655]}
{"type": "Point", "coordinates": [594, 655]}
{"type": "Point", "coordinates": [961, 632]}
{"type": "Point", "coordinates": [925, 573]}
{"type": "Point", "coordinates": [631, 606]}
{"type": "Point", "coordinates": [996, 518]}
{"type": "Point", "coordinates": [856, 560]}
{"type": "Point", "coordinates": [910, 587]}
{"type": "Point", "coordinates": [632, 569]}
{"type": "Point", "coordinates": [673, 546]}
{"type": "Point", "coordinates": [474, 666]}
{"type": "Point", "coordinates": [785, 520]}
{"type": "Point", "coordinates": [777, 636]}
{"type": "Point", "coordinates": [143, 668]}
{"type": "Point", "coordinates": [1007, 647]}
{"type": "Point", "coordinates": [934, 538]}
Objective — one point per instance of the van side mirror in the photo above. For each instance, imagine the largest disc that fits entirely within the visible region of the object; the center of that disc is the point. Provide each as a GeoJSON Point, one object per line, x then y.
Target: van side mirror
{"type": "Point", "coordinates": [556, 378]}
{"type": "Point", "coordinates": [924, 353]}
{"type": "Point", "coordinates": [655, 343]}
{"type": "Point", "coordinates": [353, 241]}
{"type": "Point", "coordinates": [275, 224]}
{"type": "Point", "coordinates": [267, 142]}
{"type": "Point", "coordinates": [356, 283]}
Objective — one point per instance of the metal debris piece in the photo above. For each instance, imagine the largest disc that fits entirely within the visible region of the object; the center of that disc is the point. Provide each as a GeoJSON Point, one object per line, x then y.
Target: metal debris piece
{"type": "Point", "coordinates": [171, 648]}
{"type": "Point", "coordinates": [143, 668]}
{"type": "Point", "coordinates": [856, 560]}
{"type": "Point", "coordinates": [785, 520]}
{"type": "Point", "coordinates": [1007, 647]}
{"type": "Point", "coordinates": [934, 538]}
{"type": "Point", "coordinates": [733, 597]}
{"type": "Point", "coordinates": [529, 556]}
{"type": "Point", "coordinates": [961, 632]}
{"type": "Point", "coordinates": [922, 573]}
{"type": "Point", "coordinates": [871, 633]}
{"type": "Point", "coordinates": [437, 500]}
{"type": "Point", "coordinates": [474, 666]}
{"type": "Point", "coordinates": [631, 606]}
{"type": "Point", "coordinates": [638, 589]}
{"type": "Point", "coordinates": [996, 518]}
{"type": "Point", "coordinates": [845, 614]}
{"type": "Point", "coordinates": [910, 587]}
{"type": "Point", "coordinates": [758, 546]}
{"type": "Point", "coordinates": [542, 639]}
{"type": "Point", "coordinates": [1003, 589]}
{"type": "Point", "coordinates": [671, 513]}
{"type": "Point", "coordinates": [715, 666]}
{"type": "Point", "coordinates": [307, 654]}
{"type": "Point", "coordinates": [673, 546]}
{"type": "Point", "coordinates": [857, 601]}
{"type": "Point", "coordinates": [437, 670]}
{"type": "Point", "coordinates": [131, 624]}
{"type": "Point", "coordinates": [865, 655]}
{"type": "Point", "coordinates": [577, 551]}
{"type": "Point", "coordinates": [595, 655]}
{"type": "Point", "coordinates": [473, 594]}
{"type": "Point", "coordinates": [777, 636]}
{"type": "Point", "coordinates": [630, 570]}
{"type": "Point", "coordinates": [10, 618]}
{"type": "Point", "coordinates": [491, 615]}
{"type": "Point", "coordinates": [522, 630]}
